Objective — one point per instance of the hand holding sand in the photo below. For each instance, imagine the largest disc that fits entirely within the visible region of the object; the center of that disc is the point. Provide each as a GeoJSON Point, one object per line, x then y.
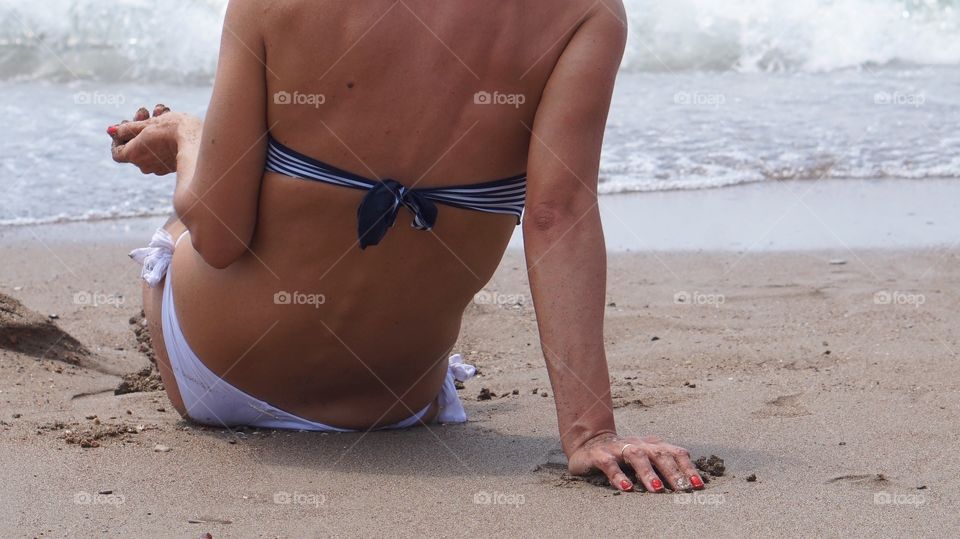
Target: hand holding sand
{"type": "Point", "coordinates": [152, 143]}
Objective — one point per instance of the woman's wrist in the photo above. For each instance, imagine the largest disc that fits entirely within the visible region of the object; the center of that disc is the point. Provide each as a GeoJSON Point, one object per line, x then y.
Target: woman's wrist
{"type": "Point", "coordinates": [187, 131]}
{"type": "Point", "coordinates": [581, 436]}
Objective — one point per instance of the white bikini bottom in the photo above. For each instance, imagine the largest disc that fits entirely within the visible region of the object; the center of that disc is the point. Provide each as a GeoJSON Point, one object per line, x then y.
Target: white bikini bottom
{"type": "Point", "coordinates": [211, 400]}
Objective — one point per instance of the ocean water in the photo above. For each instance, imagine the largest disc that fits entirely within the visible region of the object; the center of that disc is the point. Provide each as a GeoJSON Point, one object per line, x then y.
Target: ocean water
{"type": "Point", "coordinates": [712, 93]}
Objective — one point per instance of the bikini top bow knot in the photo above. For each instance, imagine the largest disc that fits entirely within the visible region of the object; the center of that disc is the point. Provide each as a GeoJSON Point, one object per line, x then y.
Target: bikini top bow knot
{"type": "Point", "coordinates": [378, 211]}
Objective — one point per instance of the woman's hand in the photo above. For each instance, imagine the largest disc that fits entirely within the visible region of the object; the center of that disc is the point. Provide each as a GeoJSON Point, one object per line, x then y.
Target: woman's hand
{"type": "Point", "coordinates": [152, 144]}
{"type": "Point", "coordinates": [647, 456]}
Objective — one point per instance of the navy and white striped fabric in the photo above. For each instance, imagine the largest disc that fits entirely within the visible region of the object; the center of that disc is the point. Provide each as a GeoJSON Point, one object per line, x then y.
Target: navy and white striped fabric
{"type": "Point", "coordinates": [379, 208]}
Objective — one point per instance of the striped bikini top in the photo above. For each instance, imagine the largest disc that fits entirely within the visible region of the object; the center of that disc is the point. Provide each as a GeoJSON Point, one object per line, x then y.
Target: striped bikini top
{"type": "Point", "coordinates": [379, 207]}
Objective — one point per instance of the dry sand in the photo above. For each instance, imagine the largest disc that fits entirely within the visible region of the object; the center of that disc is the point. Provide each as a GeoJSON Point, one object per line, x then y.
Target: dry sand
{"type": "Point", "coordinates": [789, 367]}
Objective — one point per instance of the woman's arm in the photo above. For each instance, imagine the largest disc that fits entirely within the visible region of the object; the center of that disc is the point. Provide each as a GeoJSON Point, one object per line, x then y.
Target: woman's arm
{"type": "Point", "coordinates": [218, 201]}
{"type": "Point", "coordinates": [563, 237]}
{"type": "Point", "coordinates": [219, 165]}
{"type": "Point", "coordinates": [566, 257]}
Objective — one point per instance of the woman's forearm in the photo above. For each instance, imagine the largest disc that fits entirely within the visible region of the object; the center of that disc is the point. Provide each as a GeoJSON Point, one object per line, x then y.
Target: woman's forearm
{"type": "Point", "coordinates": [567, 265]}
{"type": "Point", "coordinates": [188, 147]}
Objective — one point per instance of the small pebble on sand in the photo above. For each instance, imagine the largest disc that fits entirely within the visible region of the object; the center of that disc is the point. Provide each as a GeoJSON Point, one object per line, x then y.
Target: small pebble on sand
{"type": "Point", "coordinates": [160, 448]}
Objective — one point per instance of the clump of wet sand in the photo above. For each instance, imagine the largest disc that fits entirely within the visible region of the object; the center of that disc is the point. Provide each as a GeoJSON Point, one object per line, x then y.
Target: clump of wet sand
{"type": "Point", "coordinates": [28, 332]}
{"type": "Point", "coordinates": [712, 465]}
{"type": "Point", "coordinates": [147, 378]}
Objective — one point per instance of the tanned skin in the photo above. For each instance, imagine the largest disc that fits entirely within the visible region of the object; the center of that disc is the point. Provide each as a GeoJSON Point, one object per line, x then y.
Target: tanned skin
{"type": "Point", "coordinates": [398, 82]}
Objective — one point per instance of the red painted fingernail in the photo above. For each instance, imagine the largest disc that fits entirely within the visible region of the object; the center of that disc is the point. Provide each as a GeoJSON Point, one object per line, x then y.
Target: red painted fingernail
{"type": "Point", "coordinates": [696, 481]}
{"type": "Point", "coordinates": [625, 485]}
{"type": "Point", "coordinates": [657, 485]}
{"type": "Point", "coordinates": [112, 130]}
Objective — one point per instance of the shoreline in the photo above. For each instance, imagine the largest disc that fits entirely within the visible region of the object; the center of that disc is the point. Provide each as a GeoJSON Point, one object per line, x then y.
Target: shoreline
{"type": "Point", "coordinates": [781, 216]}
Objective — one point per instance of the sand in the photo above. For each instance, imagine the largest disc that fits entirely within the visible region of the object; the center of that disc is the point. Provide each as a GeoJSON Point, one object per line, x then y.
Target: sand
{"type": "Point", "coordinates": [829, 378]}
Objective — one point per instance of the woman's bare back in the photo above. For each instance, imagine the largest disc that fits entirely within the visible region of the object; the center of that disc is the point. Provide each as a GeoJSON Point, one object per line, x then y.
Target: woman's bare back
{"type": "Point", "coordinates": [427, 93]}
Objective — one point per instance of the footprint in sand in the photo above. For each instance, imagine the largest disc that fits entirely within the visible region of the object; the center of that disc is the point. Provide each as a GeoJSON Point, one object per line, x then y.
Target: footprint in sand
{"type": "Point", "coordinates": [867, 481]}
{"type": "Point", "coordinates": [784, 406]}
{"type": "Point", "coordinates": [629, 403]}
{"type": "Point", "coordinates": [626, 400]}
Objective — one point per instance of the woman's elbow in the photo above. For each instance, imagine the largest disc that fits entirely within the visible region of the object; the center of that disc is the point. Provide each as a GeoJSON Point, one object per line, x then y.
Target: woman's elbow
{"type": "Point", "coordinates": [217, 250]}
{"type": "Point", "coordinates": [552, 217]}
{"type": "Point", "coordinates": [218, 244]}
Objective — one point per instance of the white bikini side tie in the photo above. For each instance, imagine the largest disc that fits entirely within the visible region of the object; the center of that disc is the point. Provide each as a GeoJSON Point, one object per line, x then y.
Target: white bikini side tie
{"type": "Point", "coordinates": [155, 258]}
{"type": "Point", "coordinates": [451, 409]}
